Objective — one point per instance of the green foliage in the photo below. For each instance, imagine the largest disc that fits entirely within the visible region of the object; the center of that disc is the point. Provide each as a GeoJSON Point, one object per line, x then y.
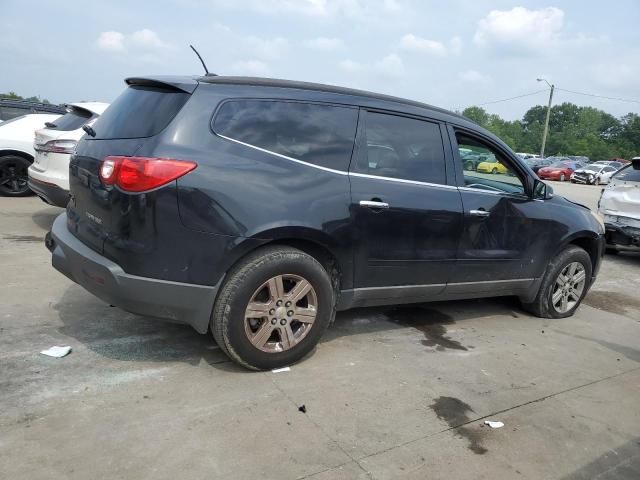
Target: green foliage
{"type": "Point", "coordinates": [573, 130]}
{"type": "Point", "coordinates": [15, 96]}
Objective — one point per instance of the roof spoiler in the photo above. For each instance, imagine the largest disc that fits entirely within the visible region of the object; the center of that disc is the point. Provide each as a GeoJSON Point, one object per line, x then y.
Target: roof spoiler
{"type": "Point", "coordinates": [182, 84]}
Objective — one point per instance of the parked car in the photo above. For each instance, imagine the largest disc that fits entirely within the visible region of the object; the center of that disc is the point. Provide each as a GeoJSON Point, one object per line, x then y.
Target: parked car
{"type": "Point", "coordinates": [560, 170]}
{"type": "Point", "coordinates": [537, 163]}
{"type": "Point", "coordinates": [491, 167]}
{"type": "Point", "coordinates": [526, 156]}
{"type": "Point", "coordinates": [16, 152]}
{"type": "Point", "coordinates": [593, 174]}
{"type": "Point", "coordinates": [580, 159]}
{"type": "Point", "coordinates": [610, 163]}
{"type": "Point", "coordinates": [11, 108]}
{"type": "Point", "coordinates": [250, 207]}
{"type": "Point", "coordinates": [54, 144]}
{"type": "Point", "coordinates": [472, 159]}
{"type": "Point", "coordinates": [620, 206]}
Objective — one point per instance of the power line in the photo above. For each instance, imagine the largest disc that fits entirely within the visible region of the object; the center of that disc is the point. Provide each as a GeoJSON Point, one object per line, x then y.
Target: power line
{"type": "Point", "coordinates": [510, 98]}
{"type": "Point", "coordinates": [629, 100]}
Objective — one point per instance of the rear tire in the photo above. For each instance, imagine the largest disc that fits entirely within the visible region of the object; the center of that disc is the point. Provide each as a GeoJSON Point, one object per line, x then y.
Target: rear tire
{"type": "Point", "coordinates": [263, 337]}
{"type": "Point", "coordinates": [543, 305]}
{"type": "Point", "coordinates": [13, 176]}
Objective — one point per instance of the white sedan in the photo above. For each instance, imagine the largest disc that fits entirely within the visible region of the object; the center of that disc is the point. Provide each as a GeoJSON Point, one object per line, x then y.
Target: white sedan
{"type": "Point", "coordinates": [594, 174]}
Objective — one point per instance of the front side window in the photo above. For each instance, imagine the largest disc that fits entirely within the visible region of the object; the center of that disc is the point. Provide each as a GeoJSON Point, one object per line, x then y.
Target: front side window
{"type": "Point", "coordinates": [486, 168]}
{"type": "Point", "coordinates": [319, 134]}
{"type": "Point", "coordinates": [403, 148]}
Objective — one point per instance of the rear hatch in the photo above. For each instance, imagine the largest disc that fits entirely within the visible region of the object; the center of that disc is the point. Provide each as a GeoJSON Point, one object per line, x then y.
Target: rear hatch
{"type": "Point", "coordinates": [141, 112]}
{"type": "Point", "coordinates": [60, 128]}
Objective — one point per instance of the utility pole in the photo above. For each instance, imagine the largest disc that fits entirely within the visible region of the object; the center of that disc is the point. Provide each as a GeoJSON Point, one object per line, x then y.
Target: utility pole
{"type": "Point", "coordinates": [546, 122]}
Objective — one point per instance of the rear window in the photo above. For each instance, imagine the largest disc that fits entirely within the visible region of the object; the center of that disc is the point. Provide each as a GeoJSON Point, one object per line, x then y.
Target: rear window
{"type": "Point", "coordinates": [319, 134]}
{"type": "Point", "coordinates": [72, 120]}
{"type": "Point", "coordinates": [140, 112]}
{"type": "Point", "coordinates": [628, 174]}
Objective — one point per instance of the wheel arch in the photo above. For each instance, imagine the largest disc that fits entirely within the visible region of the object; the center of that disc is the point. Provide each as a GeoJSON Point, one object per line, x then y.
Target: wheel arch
{"type": "Point", "coordinates": [19, 153]}
{"type": "Point", "coordinates": [336, 259]}
{"type": "Point", "coordinates": [589, 242]}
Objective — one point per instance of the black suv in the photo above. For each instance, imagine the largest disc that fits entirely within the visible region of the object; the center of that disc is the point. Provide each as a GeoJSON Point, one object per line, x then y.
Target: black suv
{"type": "Point", "coordinates": [257, 208]}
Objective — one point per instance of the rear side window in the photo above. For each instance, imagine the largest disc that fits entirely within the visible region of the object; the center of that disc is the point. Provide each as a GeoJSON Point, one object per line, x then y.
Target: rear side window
{"type": "Point", "coordinates": [628, 174]}
{"type": "Point", "coordinates": [72, 120]}
{"type": "Point", "coordinates": [140, 112]}
{"type": "Point", "coordinates": [403, 148]}
{"type": "Point", "coordinates": [319, 134]}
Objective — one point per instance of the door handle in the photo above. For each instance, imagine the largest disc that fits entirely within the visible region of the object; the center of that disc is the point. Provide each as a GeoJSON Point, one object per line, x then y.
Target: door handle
{"type": "Point", "coordinates": [479, 213]}
{"type": "Point", "coordinates": [373, 204]}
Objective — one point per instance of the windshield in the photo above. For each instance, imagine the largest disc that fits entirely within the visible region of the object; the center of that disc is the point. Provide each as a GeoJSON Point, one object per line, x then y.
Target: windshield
{"type": "Point", "coordinates": [594, 168]}
{"type": "Point", "coordinates": [562, 165]}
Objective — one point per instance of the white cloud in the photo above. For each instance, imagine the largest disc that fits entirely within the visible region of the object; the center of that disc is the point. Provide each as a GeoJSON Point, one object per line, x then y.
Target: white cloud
{"type": "Point", "coordinates": [473, 76]}
{"type": "Point", "coordinates": [250, 67]}
{"type": "Point", "coordinates": [413, 43]}
{"type": "Point", "coordinates": [423, 45]}
{"type": "Point", "coordinates": [144, 39]}
{"type": "Point", "coordinates": [324, 43]}
{"type": "Point", "coordinates": [112, 41]}
{"type": "Point", "coordinates": [520, 29]}
{"type": "Point", "coordinates": [391, 65]}
{"type": "Point", "coordinates": [350, 66]}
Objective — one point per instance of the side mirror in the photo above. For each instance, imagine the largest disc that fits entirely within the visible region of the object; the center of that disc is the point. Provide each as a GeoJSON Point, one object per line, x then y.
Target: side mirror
{"type": "Point", "coordinates": [542, 191]}
{"type": "Point", "coordinates": [635, 163]}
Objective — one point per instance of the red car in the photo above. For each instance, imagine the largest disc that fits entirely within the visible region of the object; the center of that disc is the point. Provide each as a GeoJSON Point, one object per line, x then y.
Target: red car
{"type": "Point", "coordinates": [558, 171]}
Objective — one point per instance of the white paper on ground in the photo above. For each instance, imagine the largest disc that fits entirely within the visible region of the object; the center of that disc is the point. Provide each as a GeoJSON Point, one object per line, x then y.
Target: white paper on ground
{"type": "Point", "coordinates": [278, 370]}
{"type": "Point", "coordinates": [493, 424]}
{"type": "Point", "coordinates": [57, 352]}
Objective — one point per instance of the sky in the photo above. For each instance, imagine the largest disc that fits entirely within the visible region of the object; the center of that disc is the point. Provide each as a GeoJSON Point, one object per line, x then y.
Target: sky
{"type": "Point", "coordinates": [451, 54]}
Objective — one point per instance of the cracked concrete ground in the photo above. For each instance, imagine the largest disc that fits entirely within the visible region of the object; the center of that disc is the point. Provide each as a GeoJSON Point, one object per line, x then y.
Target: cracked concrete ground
{"type": "Point", "coordinates": [396, 392]}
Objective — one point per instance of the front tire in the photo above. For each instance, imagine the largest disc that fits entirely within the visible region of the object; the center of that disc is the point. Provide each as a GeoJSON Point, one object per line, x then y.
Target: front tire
{"type": "Point", "coordinates": [14, 176]}
{"type": "Point", "coordinates": [564, 285]}
{"type": "Point", "coordinates": [273, 308]}
{"type": "Point", "coordinates": [494, 170]}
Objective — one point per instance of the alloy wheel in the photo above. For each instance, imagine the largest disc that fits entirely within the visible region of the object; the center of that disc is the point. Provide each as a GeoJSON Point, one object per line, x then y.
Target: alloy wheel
{"type": "Point", "coordinates": [568, 287]}
{"type": "Point", "coordinates": [13, 178]}
{"type": "Point", "coordinates": [280, 313]}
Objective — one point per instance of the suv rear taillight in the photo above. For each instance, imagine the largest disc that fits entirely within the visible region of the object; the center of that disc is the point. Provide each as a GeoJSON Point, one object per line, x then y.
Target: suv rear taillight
{"type": "Point", "coordinates": [57, 146]}
{"type": "Point", "coordinates": [140, 174]}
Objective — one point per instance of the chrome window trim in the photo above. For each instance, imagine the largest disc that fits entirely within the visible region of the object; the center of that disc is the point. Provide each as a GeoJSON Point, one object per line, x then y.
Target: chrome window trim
{"type": "Point", "coordinates": [402, 180]}
{"type": "Point", "coordinates": [507, 194]}
{"type": "Point", "coordinates": [264, 150]}
{"type": "Point", "coordinates": [339, 172]}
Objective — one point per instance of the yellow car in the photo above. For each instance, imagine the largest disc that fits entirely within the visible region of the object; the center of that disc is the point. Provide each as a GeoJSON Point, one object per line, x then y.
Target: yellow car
{"type": "Point", "coordinates": [491, 167]}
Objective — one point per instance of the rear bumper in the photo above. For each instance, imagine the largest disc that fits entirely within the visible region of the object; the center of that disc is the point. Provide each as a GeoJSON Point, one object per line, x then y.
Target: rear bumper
{"type": "Point", "coordinates": [49, 192]}
{"type": "Point", "coordinates": [622, 237]}
{"type": "Point", "coordinates": [178, 302]}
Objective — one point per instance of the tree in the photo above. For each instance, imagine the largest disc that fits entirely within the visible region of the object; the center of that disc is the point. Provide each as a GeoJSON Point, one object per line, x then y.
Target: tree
{"type": "Point", "coordinates": [573, 130]}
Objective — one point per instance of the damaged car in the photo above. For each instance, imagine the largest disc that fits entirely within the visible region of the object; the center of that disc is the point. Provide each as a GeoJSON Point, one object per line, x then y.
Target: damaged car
{"type": "Point", "coordinates": [620, 206]}
{"type": "Point", "coordinates": [594, 174]}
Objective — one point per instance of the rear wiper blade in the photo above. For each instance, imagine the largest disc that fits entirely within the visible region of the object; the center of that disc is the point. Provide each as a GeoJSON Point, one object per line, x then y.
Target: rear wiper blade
{"type": "Point", "coordinates": [89, 129]}
{"type": "Point", "coordinates": [50, 125]}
